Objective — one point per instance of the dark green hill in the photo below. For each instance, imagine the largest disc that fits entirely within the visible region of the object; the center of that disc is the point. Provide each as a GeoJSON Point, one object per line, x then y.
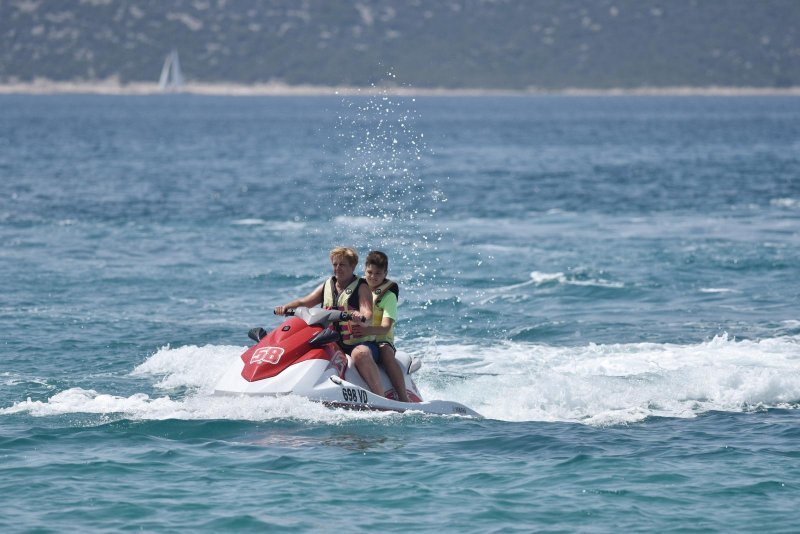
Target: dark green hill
{"type": "Point", "coordinates": [426, 43]}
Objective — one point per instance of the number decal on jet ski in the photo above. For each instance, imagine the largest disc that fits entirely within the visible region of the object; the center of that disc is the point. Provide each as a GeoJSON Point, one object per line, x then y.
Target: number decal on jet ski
{"type": "Point", "coordinates": [267, 355]}
{"type": "Point", "coordinates": [354, 395]}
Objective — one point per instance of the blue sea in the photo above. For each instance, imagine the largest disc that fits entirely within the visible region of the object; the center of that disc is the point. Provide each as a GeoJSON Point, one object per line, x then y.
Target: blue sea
{"type": "Point", "coordinates": [612, 282]}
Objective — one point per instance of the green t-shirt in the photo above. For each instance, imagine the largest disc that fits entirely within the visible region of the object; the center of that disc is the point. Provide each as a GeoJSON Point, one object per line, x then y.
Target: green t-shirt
{"type": "Point", "coordinates": [388, 307]}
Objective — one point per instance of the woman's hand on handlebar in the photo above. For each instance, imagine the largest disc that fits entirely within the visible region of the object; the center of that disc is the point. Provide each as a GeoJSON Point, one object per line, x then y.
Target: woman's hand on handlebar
{"type": "Point", "coordinates": [280, 310]}
{"type": "Point", "coordinates": [358, 329]}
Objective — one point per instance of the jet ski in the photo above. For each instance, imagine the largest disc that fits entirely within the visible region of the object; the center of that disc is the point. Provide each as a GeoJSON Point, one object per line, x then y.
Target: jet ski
{"type": "Point", "coordinates": [302, 357]}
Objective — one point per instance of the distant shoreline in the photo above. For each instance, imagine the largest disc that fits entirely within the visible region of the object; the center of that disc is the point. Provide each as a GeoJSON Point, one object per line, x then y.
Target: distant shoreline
{"type": "Point", "coordinates": [44, 87]}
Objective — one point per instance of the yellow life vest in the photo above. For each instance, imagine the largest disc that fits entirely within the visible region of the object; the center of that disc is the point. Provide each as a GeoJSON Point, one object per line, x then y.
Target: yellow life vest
{"type": "Point", "coordinates": [346, 301]}
{"type": "Point", "coordinates": [377, 312]}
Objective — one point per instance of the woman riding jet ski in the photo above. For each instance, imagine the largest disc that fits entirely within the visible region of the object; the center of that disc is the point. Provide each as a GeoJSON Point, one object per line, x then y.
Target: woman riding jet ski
{"type": "Point", "coordinates": [302, 357]}
{"type": "Point", "coordinates": [321, 355]}
{"type": "Point", "coordinates": [349, 293]}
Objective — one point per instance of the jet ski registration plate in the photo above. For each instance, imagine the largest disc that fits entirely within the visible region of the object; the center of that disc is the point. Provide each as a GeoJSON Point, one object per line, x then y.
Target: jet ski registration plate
{"type": "Point", "coordinates": [354, 395]}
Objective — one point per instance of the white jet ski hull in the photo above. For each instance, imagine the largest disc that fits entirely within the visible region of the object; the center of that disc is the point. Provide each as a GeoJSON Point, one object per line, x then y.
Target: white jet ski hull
{"type": "Point", "coordinates": [319, 381]}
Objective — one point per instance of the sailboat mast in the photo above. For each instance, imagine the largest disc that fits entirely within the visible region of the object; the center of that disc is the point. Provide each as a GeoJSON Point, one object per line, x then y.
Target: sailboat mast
{"type": "Point", "coordinates": [177, 75]}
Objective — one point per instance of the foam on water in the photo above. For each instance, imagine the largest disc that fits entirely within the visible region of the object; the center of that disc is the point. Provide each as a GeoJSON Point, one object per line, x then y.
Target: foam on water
{"type": "Point", "coordinates": [249, 222]}
{"type": "Point", "coordinates": [785, 202]}
{"type": "Point", "coordinates": [189, 366]}
{"type": "Point", "coordinates": [141, 406]}
{"type": "Point", "coordinates": [175, 370]}
{"type": "Point", "coordinates": [277, 226]}
{"type": "Point", "coordinates": [717, 290]}
{"type": "Point", "coordinates": [560, 278]}
{"type": "Point", "coordinates": [624, 383]}
{"type": "Point", "coordinates": [539, 279]}
{"type": "Point", "coordinates": [591, 384]}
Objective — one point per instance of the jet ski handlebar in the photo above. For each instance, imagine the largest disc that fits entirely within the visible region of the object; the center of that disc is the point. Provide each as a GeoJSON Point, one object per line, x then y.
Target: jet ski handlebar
{"type": "Point", "coordinates": [349, 317]}
{"type": "Point", "coordinates": [343, 316]}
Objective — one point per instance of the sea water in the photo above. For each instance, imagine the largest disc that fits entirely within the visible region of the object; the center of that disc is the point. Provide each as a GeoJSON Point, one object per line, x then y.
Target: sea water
{"type": "Point", "coordinates": [612, 282]}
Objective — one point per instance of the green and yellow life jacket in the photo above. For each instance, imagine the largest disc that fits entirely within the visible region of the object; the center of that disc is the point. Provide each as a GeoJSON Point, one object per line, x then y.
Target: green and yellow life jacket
{"type": "Point", "coordinates": [378, 294]}
{"type": "Point", "coordinates": [346, 301]}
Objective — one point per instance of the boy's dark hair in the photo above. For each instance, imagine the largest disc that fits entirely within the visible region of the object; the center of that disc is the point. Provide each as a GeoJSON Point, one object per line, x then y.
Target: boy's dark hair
{"type": "Point", "coordinates": [378, 259]}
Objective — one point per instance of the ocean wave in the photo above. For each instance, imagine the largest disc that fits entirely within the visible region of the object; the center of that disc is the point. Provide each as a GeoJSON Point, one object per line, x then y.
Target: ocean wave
{"type": "Point", "coordinates": [717, 290]}
{"type": "Point", "coordinates": [785, 202]}
{"type": "Point", "coordinates": [278, 226]}
{"type": "Point", "coordinates": [249, 222]}
{"type": "Point", "coordinates": [193, 368]}
{"type": "Point", "coordinates": [623, 383]}
{"type": "Point", "coordinates": [189, 366]}
{"type": "Point", "coordinates": [141, 406]}
{"type": "Point", "coordinates": [539, 279]}
{"type": "Point", "coordinates": [511, 381]}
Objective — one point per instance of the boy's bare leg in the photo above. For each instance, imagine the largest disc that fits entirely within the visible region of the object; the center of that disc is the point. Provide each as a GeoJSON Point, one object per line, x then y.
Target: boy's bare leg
{"type": "Point", "coordinates": [393, 371]}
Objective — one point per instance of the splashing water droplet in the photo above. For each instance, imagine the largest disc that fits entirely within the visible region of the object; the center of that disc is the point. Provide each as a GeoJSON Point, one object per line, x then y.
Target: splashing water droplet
{"type": "Point", "coordinates": [383, 187]}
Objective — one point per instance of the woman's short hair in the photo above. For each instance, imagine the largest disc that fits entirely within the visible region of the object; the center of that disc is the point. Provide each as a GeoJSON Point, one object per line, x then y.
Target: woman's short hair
{"type": "Point", "coordinates": [345, 252]}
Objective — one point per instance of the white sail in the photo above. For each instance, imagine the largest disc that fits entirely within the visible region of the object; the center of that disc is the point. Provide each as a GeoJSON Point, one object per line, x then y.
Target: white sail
{"type": "Point", "coordinates": [171, 75]}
